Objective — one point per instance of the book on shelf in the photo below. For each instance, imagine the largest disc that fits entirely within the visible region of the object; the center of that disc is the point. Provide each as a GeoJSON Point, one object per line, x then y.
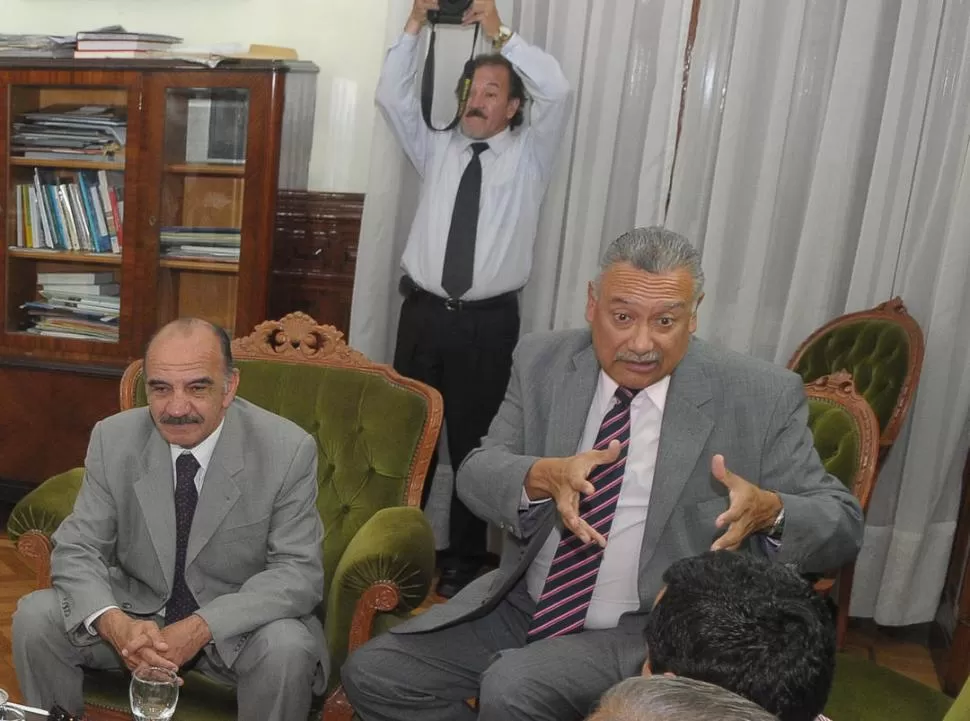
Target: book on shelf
{"type": "Point", "coordinates": [76, 305]}
{"type": "Point", "coordinates": [201, 243]}
{"type": "Point", "coordinates": [71, 278]}
{"type": "Point", "coordinates": [77, 211]}
{"type": "Point", "coordinates": [94, 133]}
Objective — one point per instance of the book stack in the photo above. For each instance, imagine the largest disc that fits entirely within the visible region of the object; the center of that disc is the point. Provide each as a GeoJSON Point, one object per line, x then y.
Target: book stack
{"type": "Point", "coordinates": [81, 211]}
{"type": "Point", "coordinates": [83, 306]}
{"type": "Point", "coordinates": [121, 44]}
{"type": "Point", "coordinates": [220, 244]}
{"type": "Point", "coordinates": [94, 133]}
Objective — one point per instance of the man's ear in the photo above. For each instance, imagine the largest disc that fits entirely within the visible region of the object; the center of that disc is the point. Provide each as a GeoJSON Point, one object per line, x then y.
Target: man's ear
{"type": "Point", "coordinates": [512, 108]}
{"type": "Point", "coordinates": [645, 671]}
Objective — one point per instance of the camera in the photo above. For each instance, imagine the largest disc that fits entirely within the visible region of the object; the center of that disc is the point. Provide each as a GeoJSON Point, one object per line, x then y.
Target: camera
{"type": "Point", "coordinates": [449, 12]}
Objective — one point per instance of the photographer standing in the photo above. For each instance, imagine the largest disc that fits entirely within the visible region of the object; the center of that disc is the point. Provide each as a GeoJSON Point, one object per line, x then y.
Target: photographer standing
{"type": "Point", "coordinates": [470, 246]}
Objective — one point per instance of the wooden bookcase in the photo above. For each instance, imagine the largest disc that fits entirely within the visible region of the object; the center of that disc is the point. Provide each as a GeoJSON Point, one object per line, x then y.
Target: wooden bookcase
{"type": "Point", "coordinates": [191, 160]}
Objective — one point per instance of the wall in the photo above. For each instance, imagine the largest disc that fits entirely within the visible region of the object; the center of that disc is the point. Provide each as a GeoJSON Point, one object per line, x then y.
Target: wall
{"type": "Point", "coordinates": [345, 38]}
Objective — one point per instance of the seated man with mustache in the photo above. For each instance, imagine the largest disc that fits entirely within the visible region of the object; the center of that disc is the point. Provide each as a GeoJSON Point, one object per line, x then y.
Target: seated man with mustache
{"type": "Point", "coordinates": [194, 542]}
{"type": "Point", "coordinates": [619, 450]}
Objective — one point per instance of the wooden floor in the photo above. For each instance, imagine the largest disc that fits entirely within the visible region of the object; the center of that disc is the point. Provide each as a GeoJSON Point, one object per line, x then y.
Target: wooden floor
{"type": "Point", "coordinates": [903, 650]}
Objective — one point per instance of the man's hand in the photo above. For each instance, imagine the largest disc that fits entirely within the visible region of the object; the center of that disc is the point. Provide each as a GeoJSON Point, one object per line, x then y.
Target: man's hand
{"type": "Point", "coordinates": [563, 480]}
{"type": "Point", "coordinates": [752, 509]}
{"type": "Point", "coordinates": [186, 638]}
{"type": "Point", "coordinates": [123, 632]}
{"type": "Point", "coordinates": [419, 15]}
{"type": "Point", "coordinates": [484, 12]}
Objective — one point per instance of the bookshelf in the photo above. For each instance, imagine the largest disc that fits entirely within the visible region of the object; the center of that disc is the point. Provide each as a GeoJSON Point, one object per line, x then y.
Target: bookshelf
{"type": "Point", "coordinates": [132, 192]}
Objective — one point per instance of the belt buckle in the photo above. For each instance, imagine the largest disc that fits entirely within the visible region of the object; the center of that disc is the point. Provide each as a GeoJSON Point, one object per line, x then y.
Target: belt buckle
{"type": "Point", "coordinates": [452, 304]}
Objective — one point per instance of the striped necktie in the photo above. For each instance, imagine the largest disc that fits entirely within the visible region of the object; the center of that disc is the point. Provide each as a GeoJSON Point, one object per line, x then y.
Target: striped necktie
{"type": "Point", "coordinates": [568, 589]}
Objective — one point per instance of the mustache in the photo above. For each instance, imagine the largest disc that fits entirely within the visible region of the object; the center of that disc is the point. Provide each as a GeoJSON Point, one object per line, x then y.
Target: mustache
{"type": "Point", "coordinates": [180, 420]}
{"type": "Point", "coordinates": [475, 113]}
{"type": "Point", "coordinates": [653, 356]}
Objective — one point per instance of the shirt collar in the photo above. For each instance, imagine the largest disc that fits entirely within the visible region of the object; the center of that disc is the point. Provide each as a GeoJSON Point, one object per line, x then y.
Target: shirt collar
{"type": "Point", "coordinates": [203, 451]}
{"type": "Point", "coordinates": [657, 392]}
{"type": "Point", "coordinates": [497, 144]}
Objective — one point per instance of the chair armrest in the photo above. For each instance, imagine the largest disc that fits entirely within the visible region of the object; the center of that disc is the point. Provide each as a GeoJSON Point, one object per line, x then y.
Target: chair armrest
{"type": "Point", "coordinates": [34, 519]}
{"type": "Point", "coordinates": [387, 567]}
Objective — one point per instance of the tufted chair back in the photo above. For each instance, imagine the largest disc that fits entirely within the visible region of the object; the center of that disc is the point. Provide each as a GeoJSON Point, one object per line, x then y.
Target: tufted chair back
{"type": "Point", "coordinates": [882, 349]}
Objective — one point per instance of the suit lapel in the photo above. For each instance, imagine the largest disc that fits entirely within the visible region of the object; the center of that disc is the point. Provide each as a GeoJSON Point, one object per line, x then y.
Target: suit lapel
{"type": "Point", "coordinates": [571, 402]}
{"type": "Point", "coordinates": [683, 434]}
{"type": "Point", "coordinates": [219, 489]}
{"type": "Point", "coordinates": [155, 490]}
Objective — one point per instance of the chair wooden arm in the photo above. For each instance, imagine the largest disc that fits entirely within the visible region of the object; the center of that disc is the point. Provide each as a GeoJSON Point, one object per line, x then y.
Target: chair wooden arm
{"type": "Point", "coordinates": [380, 597]}
{"type": "Point", "coordinates": [35, 547]}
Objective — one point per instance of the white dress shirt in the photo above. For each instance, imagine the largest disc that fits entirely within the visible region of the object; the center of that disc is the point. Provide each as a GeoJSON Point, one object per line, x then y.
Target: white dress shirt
{"type": "Point", "coordinates": [515, 170]}
{"type": "Point", "coordinates": [203, 454]}
{"type": "Point", "coordinates": [616, 590]}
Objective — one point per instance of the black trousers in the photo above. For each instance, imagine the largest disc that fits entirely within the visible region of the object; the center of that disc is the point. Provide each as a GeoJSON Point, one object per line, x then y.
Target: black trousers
{"type": "Point", "coordinates": [465, 351]}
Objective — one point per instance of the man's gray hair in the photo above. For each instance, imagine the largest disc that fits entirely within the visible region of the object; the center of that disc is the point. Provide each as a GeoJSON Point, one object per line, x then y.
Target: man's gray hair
{"type": "Point", "coordinates": [656, 250]}
{"type": "Point", "coordinates": [666, 698]}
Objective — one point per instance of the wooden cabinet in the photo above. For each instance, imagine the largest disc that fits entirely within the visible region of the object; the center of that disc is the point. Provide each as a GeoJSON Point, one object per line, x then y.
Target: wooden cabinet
{"type": "Point", "coordinates": [131, 193]}
{"type": "Point", "coordinates": [315, 255]}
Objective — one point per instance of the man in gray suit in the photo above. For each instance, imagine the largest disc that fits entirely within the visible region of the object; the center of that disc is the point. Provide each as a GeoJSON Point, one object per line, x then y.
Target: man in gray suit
{"type": "Point", "coordinates": [615, 453]}
{"type": "Point", "coordinates": [194, 542]}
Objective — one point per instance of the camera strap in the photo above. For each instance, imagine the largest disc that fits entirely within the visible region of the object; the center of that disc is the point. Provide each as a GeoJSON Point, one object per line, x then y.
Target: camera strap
{"type": "Point", "coordinates": [427, 83]}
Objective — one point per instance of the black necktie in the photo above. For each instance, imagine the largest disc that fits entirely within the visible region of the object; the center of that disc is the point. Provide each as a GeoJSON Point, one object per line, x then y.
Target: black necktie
{"type": "Point", "coordinates": [182, 603]}
{"type": "Point", "coordinates": [571, 580]}
{"type": "Point", "coordinates": [456, 277]}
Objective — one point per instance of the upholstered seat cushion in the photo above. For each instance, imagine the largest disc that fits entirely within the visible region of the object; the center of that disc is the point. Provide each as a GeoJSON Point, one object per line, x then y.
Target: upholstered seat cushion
{"type": "Point", "coordinates": [875, 352]}
{"type": "Point", "coordinates": [863, 691]}
{"type": "Point", "coordinates": [836, 438]}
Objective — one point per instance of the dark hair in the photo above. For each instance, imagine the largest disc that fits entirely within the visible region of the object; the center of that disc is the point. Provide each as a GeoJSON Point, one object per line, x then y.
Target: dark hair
{"type": "Point", "coordinates": [747, 625]}
{"type": "Point", "coordinates": [187, 324]}
{"type": "Point", "coordinates": [516, 86]}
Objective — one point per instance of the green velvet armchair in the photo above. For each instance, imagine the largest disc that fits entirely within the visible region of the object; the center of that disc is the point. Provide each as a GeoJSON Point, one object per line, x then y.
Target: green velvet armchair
{"type": "Point", "coordinates": [375, 431]}
{"type": "Point", "coordinates": [846, 434]}
{"type": "Point", "coordinates": [882, 348]}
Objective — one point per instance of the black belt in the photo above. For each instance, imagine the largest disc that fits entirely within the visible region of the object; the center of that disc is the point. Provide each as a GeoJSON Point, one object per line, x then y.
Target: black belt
{"type": "Point", "coordinates": [410, 289]}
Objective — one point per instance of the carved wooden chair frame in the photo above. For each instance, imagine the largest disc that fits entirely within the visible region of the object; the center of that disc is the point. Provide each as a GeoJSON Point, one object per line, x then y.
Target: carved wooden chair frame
{"type": "Point", "coordinates": [838, 389]}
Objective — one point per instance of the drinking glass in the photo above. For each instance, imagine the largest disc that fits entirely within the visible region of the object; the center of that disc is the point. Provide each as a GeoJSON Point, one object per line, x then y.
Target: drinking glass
{"type": "Point", "coordinates": [154, 692]}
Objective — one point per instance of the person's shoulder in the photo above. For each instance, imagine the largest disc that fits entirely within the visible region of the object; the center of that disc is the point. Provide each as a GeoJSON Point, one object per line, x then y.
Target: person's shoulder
{"type": "Point", "coordinates": [541, 345]}
{"type": "Point", "coordinates": [730, 367]}
{"type": "Point", "coordinates": [128, 424]}
{"type": "Point", "coordinates": [264, 424]}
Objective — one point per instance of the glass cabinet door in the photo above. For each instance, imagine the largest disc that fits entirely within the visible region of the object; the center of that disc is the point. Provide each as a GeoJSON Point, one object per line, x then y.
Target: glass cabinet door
{"type": "Point", "coordinates": [200, 213]}
{"type": "Point", "coordinates": [65, 204]}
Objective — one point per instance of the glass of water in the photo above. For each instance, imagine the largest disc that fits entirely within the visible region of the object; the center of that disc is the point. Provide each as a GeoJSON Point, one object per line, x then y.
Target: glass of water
{"type": "Point", "coordinates": [154, 692]}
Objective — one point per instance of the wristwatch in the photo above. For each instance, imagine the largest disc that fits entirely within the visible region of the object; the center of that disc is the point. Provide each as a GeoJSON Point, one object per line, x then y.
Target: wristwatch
{"type": "Point", "coordinates": [504, 35]}
{"type": "Point", "coordinates": [778, 527]}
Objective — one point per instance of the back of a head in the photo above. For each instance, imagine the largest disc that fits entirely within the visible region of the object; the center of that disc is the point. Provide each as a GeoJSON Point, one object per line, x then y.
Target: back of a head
{"type": "Point", "coordinates": [747, 625]}
{"type": "Point", "coordinates": [663, 698]}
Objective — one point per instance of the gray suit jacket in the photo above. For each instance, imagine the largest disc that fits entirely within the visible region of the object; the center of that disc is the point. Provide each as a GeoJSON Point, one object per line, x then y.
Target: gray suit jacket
{"type": "Point", "coordinates": [254, 551]}
{"type": "Point", "coordinates": [752, 412]}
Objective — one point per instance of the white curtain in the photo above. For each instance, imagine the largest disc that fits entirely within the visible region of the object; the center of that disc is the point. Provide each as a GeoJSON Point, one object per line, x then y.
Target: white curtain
{"type": "Point", "coordinates": [823, 169]}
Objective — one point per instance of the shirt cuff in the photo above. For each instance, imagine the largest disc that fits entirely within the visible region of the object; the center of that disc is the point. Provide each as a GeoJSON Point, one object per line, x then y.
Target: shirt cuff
{"type": "Point", "coordinates": [770, 544]}
{"type": "Point", "coordinates": [525, 503]}
{"type": "Point", "coordinates": [89, 621]}
{"type": "Point", "coordinates": [513, 42]}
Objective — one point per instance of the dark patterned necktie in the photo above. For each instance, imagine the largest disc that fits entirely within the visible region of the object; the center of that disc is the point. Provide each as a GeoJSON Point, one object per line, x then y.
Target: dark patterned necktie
{"type": "Point", "coordinates": [182, 603]}
{"type": "Point", "coordinates": [459, 267]}
{"type": "Point", "coordinates": [568, 589]}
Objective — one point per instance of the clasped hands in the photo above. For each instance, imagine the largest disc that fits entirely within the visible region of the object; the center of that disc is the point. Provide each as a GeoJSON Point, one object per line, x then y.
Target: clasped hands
{"type": "Point", "coordinates": [564, 480]}
{"type": "Point", "coordinates": [143, 643]}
